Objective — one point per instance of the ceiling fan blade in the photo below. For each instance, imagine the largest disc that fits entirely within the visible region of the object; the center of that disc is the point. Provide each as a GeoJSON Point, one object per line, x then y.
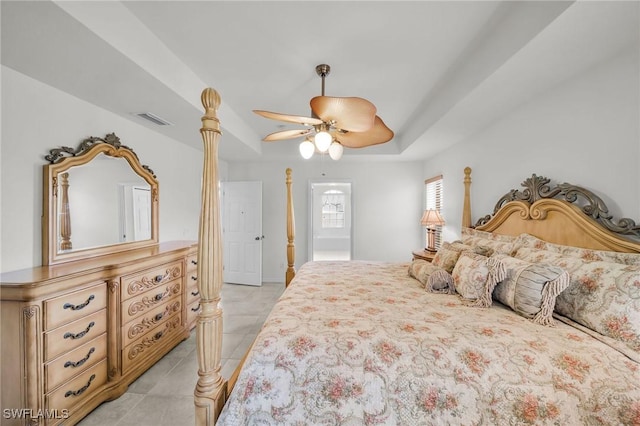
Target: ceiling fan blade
{"type": "Point", "coordinates": [287, 134]}
{"type": "Point", "coordinates": [351, 114]}
{"type": "Point", "coordinates": [378, 134]}
{"type": "Point", "coordinates": [307, 121]}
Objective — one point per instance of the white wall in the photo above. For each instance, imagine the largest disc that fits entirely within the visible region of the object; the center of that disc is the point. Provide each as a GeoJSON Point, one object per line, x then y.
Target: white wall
{"type": "Point", "coordinates": [387, 207]}
{"type": "Point", "coordinates": [36, 118]}
{"type": "Point", "coordinates": [585, 132]}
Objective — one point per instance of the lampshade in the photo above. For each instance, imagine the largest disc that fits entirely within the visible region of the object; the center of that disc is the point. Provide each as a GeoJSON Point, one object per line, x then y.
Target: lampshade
{"type": "Point", "coordinates": [431, 217]}
{"type": "Point", "coordinates": [323, 141]}
{"type": "Point", "coordinates": [306, 149]}
{"type": "Point", "coordinates": [335, 150]}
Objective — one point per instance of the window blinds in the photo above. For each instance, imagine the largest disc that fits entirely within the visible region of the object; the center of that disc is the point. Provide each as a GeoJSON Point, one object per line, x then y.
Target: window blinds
{"type": "Point", "coordinates": [433, 200]}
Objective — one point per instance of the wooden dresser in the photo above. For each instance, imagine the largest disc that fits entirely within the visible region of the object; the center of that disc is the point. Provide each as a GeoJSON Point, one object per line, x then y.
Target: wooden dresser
{"type": "Point", "coordinates": [78, 333]}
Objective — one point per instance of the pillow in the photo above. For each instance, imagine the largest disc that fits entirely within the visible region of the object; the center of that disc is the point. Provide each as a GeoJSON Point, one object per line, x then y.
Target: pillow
{"type": "Point", "coordinates": [460, 246]}
{"type": "Point", "coordinates": [526, 240]}
{"type": "Point", "coordinates": [472, 232]}
{"type": "Point", "coordinates": [448, 254]}
{"type": "Point", "coordinates": [498, 243]}
{"type": "Point", "coordinates": [475, 276]}
{"type": "Point", "coordinates": [434, 278]}
{"type": "Point", "coordinates": [603, 296]}
{"type": "Point", "coordinates": [530, 289]}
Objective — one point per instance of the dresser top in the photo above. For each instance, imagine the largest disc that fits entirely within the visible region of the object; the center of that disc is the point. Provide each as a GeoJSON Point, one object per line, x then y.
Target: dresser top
{"type": "Point", "coordinates": [95, 268]}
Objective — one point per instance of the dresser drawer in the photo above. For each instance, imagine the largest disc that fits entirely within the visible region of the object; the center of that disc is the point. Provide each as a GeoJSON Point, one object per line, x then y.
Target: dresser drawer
{"type": "Point", "coordinates": [192, 263]}
{"type": "Point", "coordinates": [71, 363]}
{"type": "Point", "coordinates": [72, 306]}
{"type": "Point", "coordinates": [192, 279]}
{"type": "Point", "coordinates": [193, 310]}
{"type": "Point", "coordinates": [70, 336]}
{"type": "Point", "coordinates": [143, 324]}
{"type": "Point", "coordinates": [193, 293]}
{"type": "Point", "coordinates": [136, 284]}
{"type": "Point", "coordinates": [146, 345]}
{"type": "Point", "coordinates": [77, 389]}
{"type": "Point", "coordinates": [145, 302]}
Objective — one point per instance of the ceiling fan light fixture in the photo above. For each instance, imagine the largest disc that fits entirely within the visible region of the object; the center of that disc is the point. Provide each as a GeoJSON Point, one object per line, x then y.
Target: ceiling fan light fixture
{"type": "Point", "coordinates": [306, 149]}
{"type": "Point", "coordinates": [323, 140]}
{"type": "Point", "coordinates": [335, 150]}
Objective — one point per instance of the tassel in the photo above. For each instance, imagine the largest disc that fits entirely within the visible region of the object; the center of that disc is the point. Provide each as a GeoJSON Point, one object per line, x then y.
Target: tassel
{"type": "Point", "coordinates": [497, 273]}
{"type": "Point", "coordinates": [550, 291]}
{"type": "Point", "coordinates": [440, 276]}
{"type": "Point", "coordinates": [497, 270]}
{"type": "Point", "coordinates": [485, 300]}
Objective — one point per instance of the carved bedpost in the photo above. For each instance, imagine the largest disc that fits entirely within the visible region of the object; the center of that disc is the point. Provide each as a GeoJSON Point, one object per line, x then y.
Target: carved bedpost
{"type": "Point", "coordinates": [466, 209]}
{"type": "Point", "coordinates": [65, 214]}
{"type": "Point", "coordinates": [291, 233]}
{"type": "Point", "coordinates": [210, 391]}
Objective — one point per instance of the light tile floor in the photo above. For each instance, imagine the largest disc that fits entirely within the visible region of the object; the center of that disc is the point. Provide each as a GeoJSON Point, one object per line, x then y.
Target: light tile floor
{"type": "Point", "coordinates": [163, 396]}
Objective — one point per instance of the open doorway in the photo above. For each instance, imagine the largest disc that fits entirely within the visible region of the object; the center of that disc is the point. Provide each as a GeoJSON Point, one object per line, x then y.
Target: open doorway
{"type": "Point", "coordinates": [330, 220]}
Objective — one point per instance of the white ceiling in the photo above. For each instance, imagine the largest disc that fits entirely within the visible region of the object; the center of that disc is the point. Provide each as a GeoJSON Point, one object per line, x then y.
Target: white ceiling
{"type": "Point", "coordinates": [438, 71]}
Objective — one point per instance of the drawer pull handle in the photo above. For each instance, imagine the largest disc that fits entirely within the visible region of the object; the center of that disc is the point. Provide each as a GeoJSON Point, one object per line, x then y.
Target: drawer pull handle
{"type": "Point", "coordinates": [82, 389]}
{"type": "Point", "coordinates": [159, 316]}
{"type": "Point", "coordinates": [196, 308]}
{"type": "Point", "coordinates": [158, 278]}
{"type": "Point", "coordinates": [80, 306]}
{"type": "Point", "coordinates": [195, 293]}
{"type": "Point", "coordinates": [81, 334]}
{"type": "Point", "coordinates": [194, 262]}
{"type": "Point", "coordinates": [159, 297]}
{"type": "Point", "coordinates": [82, 361]}
{"type": "Point", "coordinates": [194, 278]}
{"type": "Point", "coordinates": [158, 335]}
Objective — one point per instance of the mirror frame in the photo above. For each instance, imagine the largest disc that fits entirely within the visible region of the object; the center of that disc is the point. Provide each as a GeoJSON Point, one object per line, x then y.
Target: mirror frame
{"type": "Point", "coordinates": [61, 160]}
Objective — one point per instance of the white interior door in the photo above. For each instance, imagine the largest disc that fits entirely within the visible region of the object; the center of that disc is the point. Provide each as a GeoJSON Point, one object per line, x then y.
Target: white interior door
{"type": "Point", "coordinates": [141, 213]}
{"type": "Point", "coordinates": [135, 212]}
{"type": "Point", "coordinates": [242, 232]}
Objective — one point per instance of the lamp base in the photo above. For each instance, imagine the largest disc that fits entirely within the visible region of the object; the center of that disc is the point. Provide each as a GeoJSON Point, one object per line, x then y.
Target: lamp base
{"type": "Point", "coordinates": [431, 238]}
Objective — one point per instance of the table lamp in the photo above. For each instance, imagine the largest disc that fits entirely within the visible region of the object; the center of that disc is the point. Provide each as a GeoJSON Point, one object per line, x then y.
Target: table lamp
{"type": "Point", "coordinates": [431, 218]}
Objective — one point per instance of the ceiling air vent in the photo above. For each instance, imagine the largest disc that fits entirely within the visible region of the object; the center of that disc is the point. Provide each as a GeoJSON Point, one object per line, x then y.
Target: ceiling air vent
{"type": "Point", "coordinates": [153, 118]}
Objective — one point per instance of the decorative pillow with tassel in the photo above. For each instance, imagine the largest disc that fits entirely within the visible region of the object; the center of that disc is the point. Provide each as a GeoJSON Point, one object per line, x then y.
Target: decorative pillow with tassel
{"type": "Point", "coordinates": [475, 277]}
{"type": "Point", "coordinates": [530, 289]}
{"type": "Point", "coordinates": [448, 254]}
{"type": "Point", "coordinates": [434, 278]}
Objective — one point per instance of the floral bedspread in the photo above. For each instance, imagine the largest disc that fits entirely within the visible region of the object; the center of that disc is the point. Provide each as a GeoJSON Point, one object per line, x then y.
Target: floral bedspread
{"type": "Point", "coordinates": [362, 343]}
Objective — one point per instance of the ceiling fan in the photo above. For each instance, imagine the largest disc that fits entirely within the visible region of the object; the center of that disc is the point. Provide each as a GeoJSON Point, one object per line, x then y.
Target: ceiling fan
{"type": "Point", "coordinates": [335, 123]}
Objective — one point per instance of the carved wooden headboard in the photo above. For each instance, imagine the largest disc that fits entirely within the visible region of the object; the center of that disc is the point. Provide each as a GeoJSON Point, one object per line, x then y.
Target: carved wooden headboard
{"type": "Point", "coordinates": [561, 214]}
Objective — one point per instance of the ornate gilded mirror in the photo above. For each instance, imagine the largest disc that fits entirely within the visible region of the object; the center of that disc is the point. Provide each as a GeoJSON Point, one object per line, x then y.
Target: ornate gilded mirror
{"type": "Point", "coordinates": [98, 199]}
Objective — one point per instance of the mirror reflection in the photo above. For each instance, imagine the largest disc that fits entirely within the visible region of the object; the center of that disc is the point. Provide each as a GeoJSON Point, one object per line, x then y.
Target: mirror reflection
{"type": "Point", "coordinates": [101, 203]}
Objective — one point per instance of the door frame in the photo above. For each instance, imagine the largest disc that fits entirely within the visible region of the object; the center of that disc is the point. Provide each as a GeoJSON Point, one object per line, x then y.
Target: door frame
{"type": "Point", "coordinates": [310, 184]}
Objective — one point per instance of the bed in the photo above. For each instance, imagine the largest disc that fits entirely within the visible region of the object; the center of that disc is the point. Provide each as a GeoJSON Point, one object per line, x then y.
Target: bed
{"type": "Point", "coordinates": [535, 321]}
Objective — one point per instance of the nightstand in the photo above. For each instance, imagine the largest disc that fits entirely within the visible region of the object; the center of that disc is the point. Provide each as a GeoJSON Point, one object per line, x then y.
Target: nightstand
{"type": "Point", "coordinates": [423, 254]}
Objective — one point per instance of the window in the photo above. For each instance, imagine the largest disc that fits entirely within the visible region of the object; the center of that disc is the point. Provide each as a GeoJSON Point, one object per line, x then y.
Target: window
{"type": "Point", "coordinates": [433, 200]}
{"type": "Point", "coordinates": [333, 209]}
